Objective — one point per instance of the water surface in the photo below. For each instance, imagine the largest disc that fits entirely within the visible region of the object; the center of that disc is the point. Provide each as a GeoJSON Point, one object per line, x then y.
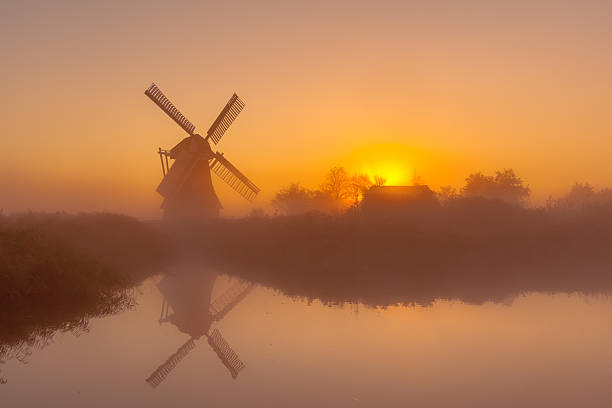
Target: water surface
{"type": "Point", "coordinates": [534, 350]}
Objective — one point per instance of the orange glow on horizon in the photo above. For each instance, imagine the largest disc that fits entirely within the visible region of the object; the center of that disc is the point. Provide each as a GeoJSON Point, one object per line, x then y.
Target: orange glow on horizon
{"type": "Point", "coordinates": [393, 174]}
{"type": "Point", "coordinates": [462, 96]}
{"type": "Point", "coordinates": [395, 162]}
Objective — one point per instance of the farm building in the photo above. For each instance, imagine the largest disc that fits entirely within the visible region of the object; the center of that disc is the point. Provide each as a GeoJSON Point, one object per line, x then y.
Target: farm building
{"type": "Point", "coordinates": [398, 198]}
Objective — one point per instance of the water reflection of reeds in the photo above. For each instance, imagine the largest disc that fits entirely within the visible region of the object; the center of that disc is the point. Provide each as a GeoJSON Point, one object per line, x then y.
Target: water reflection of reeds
{"type": "Point", "coordinates": [58, 271]}
{"type": "Point", "coordinates": [471, 250]}
{"type": "Point", "coordinates": [31, 326]}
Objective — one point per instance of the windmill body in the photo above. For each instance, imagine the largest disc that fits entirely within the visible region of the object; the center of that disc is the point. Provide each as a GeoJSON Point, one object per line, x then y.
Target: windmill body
{"type": "Point", "coordinates": [187, 185]}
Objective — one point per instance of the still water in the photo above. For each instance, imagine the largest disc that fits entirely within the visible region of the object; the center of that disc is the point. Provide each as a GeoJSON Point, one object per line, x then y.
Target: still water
{"type": "Point", "coordinates": [199, 339]}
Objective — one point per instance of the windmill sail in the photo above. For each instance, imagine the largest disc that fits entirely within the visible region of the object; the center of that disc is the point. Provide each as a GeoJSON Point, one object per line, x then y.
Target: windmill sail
{"type": "Point", "coordinates": [164, 103]}
{"type": "Point", "coordinates": [163, 370]}
{"type": "Point", "coordinates": [230, 298]}
{"type": "Point", "coordinates": [225, 118]}
{"type": "Point", "coordinates": [228, 357]}
{"type": "Point", "coordinates": [232, 176]}
{"type": "Point", "coordinates": [187, 187]}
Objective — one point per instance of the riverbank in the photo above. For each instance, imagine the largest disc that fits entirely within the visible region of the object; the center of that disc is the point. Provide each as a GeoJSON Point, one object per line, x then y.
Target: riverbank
{"type": "Point", "coordinates": [59, 270]}
{"type": "Point", "coordinates": [472, 250]}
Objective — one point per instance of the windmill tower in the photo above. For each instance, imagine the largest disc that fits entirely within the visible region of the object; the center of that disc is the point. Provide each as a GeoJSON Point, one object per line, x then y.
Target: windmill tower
{"type": "Point", "coordinates": [194, 313]}
{"type": "Point", "coordinates": [187, 185]}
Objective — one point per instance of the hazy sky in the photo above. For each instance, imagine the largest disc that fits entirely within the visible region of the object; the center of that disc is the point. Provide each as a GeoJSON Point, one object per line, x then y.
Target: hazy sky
{"type": "Point", "coordinates": [440, 88]}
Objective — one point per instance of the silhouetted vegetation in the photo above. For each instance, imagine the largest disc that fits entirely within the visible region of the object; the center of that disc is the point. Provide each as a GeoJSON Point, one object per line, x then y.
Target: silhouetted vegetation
{"type": "Point", "coordinates": [581, 197]}
{"type": "Point", "coordinates": [469, 248]}
{"type": "Point", "coordinates": [58, 270]}
{"type": "Point", "coordinates": [505, 186]}
{"type": "Point", "coordinates": [476, 244]}
{"type": "Point", "coordinates": [82, 254]}
{"type": "Point", "coordinates": [296, 199]}
{"type": "Point", "coordinates": [339, 191]}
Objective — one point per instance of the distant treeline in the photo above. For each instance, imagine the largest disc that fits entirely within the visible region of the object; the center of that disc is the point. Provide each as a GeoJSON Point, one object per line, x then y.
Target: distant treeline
{"type": "Point", "coordinates": [341, 191]}
{"type": "Point", "coordinates": [478, 244]}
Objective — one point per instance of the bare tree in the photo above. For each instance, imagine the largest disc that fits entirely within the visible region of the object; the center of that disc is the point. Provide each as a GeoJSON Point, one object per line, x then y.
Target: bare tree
{"type": "Point", "coordinates": [337, 184]}
{"type": "Point", "coordinates": [360, 183]}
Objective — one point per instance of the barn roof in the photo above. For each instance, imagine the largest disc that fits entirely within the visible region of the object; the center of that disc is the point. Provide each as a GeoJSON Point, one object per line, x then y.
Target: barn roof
{"type": "Point", "coordinates": [403, 191]}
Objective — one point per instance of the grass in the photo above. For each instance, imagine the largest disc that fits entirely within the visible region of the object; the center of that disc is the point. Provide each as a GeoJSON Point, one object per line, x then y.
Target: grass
{"type": "Point", "coordinates": [474, 250]}
{"type": "Point", "coordinates": [58, 270]}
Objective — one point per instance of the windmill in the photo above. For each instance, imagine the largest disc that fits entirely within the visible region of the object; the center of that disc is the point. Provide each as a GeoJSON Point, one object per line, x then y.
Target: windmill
{"type": "Point", "coordinates": [193, 313]}
{"type": "Point", "coordinates": [187, 185]}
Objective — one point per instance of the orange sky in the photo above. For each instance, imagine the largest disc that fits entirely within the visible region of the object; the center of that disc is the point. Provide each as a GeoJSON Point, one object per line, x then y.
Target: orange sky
{"type": "Point", "coordinates": [442, 89]}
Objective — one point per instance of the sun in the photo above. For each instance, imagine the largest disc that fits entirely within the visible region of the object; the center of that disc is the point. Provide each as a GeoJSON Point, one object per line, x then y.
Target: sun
{"type": "Point", "coordinates": [393, 173]}
{"type": "Point", "coordinates": [394, 161]}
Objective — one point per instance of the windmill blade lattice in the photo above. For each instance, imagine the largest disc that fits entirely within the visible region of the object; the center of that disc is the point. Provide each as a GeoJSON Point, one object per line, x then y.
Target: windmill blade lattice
{"type": "Point", "coordinates": [225, 118]}
{"type": "Point", "coordinates": [164, 103]}
{"type": "Point", "coordinates": [163, 370]}
{"type": "Point", "coordinates": [228, 357]}
{"type": "Point", "coordinates": [232, 176]}
{"type": "Point", "coordinates": [229, 299]}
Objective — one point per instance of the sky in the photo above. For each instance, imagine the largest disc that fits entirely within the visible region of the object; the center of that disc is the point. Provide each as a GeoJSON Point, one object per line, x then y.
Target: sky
{"type": "Point", "coordinates": [440, 88]}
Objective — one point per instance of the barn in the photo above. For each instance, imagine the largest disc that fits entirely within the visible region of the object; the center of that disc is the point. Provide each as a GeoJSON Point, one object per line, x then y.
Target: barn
{"type": "Point", "coordinates": [398, 198]}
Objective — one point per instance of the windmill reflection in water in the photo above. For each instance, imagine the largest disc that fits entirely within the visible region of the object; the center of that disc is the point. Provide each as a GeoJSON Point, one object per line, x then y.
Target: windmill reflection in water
{"type": "Point", "coordinates": [187, 304]}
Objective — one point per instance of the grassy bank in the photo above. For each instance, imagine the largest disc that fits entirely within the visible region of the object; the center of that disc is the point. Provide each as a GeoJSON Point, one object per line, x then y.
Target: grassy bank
{"type": "Point", "coordinates": [78, 255]}
{"type": "Point", "coordinates": [469, 249]}
{"type": "Point", "coordinates": [59, 270]}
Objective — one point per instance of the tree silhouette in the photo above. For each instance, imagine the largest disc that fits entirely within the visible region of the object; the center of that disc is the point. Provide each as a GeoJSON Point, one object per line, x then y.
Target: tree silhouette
{"type": "Point", "coordinates": [581, 195]}
{"type": "Point", "coordinates": [293, 199]}
{"type": "Point", "coordinates": [296, 199]}
{"type": "Point", "coordinates": [505, 186]}
{"type": "Point", "coordinates": [360, 183]}
{"type": "Point", "coordinates": [337, 184]}
{"type": "Point", "coordinates": [447, 193]}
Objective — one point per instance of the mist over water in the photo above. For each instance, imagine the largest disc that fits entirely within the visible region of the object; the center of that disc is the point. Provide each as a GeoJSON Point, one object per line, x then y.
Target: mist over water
{"type": "Point", "coordinates": [538, 349]}
{"type": "Point", "coordinates": [484, 300]}
{"type": "Point", "coordinates": [400, 204]}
